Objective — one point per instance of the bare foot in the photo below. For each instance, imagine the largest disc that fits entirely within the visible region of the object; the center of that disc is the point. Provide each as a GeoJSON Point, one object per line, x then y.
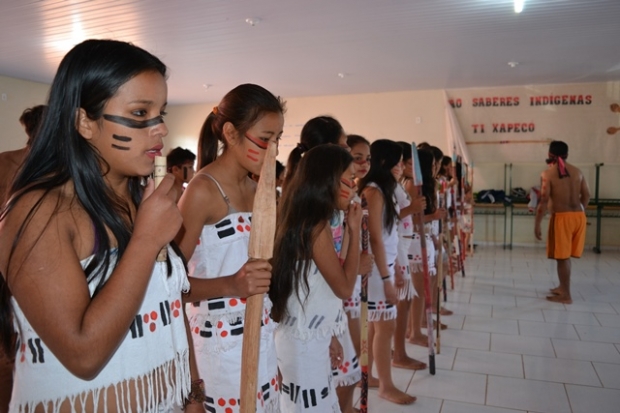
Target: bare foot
{"type": "Point", "coordinates": [421, 340]}
{"type": "Point", "coordinates": [373, 383]}
{"type": "Point", "coordinates": [555, 291]}
{"type": "Point", "coordinates": [396, 396]}
{"type": "Point", "coordinates": [443, 326]}
{"type": "Point", "coordinates": [408, 363]}
{"type": "Point", "coordinates": [444, 311]}
{"type": "Point", "coordinates": [563, 299]}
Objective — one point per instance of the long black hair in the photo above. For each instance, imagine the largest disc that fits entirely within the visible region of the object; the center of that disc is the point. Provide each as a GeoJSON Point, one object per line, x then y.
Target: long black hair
{"type": "Point", "coordinates": [88, 76]}
{"type": "Point", "coordinates": [384, 155]}
{"type": "Point", "coordinates": [305, 207]}
{"type": "Point", "coordinates": [317, 131]}
{"type": "Point", "coordinates": [243, 106]}
{"type": "Point", "coordinates": [428, 186]}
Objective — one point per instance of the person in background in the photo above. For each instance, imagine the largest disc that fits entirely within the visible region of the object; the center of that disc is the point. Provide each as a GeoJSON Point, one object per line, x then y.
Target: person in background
{"type": "Point", "coordinates": [564, 187]}
{"type": "Point", "coordinates": [10, 161]}
{"type": "Point", "coordinates": [180, 163]}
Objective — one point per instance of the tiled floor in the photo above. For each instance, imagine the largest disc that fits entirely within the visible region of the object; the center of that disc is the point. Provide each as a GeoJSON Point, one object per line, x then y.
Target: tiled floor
{"type": "Point", "coordinates": [508, 350]}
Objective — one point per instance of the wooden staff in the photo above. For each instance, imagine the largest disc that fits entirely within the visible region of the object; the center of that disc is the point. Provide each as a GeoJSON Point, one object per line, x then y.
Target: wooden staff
{"type": "Point", "coordinates": [418, 223]}
{"type": "Point", "coordinates": [261, 247]}
{"type": "Point", "coordinates": [158, 175]}
{"type": "Point", "coordinates": [471, 213]}
{"type": "Point", "coordinates": [440, 269]}
{"type": "Point", "coordinates": [364, 315]}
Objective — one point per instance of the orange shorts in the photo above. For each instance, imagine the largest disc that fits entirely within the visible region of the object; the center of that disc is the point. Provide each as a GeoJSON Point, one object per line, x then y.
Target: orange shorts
{"type": "Point", "coordinates": [567, 235]}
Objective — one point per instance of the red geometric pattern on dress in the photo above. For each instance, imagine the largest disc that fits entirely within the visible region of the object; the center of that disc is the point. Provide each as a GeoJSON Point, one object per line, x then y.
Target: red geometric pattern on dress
{"type": "Point", "coordinates": [242, 225]}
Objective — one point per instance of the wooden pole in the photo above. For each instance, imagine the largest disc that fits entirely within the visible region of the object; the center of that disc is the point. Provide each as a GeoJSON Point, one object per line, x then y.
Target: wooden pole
{"type": "Point", "coordinates": [158, 175]}
{"type": "Point", "coordinates": [261, 247]}
{"type": "Point", "coordinates": [364, 315]}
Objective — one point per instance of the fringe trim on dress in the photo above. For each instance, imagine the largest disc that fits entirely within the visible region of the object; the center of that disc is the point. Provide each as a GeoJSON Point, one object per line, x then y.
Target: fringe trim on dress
{"type": "Point", "coordinates": [408, 291]}
{"type": "Point", "coordinates": [348, 380]}
{"type": "Point", "coordinates": [353, 312]}
{"type": "Point", "coordinates": [378, 315]}
{"type": "Point", "coordinates": [155, 395]}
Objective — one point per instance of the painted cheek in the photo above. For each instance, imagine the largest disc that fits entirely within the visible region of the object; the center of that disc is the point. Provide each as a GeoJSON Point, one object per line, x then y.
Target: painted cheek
{"type": "Point", "coordinates": [123, 143]}
{"type": "Point", "coordinates": [253, 155]}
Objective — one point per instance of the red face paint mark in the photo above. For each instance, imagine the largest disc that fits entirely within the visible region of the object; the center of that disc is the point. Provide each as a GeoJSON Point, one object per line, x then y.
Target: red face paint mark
{"type": "Point", "coordinates": [347, 183]}
{"type": "Point", "coordinates": [261, 144]}
{"type": "Point", "coordinates": [344, 194]}
{"type": "Point", "coordinates": [253, 155]}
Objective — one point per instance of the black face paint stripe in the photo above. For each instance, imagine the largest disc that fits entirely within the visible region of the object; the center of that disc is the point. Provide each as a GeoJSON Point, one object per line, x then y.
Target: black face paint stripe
{"type": "Point", "coordinates": [122, 138]}
{"type": "Point", "coordinates": [132, 123]}
{"type": "Point", "coordinates": [121, 148]}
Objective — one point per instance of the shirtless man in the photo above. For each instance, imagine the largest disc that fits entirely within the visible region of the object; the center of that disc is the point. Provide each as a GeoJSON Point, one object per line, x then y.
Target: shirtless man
{"type": "Point", "coordinates": [566, 190]}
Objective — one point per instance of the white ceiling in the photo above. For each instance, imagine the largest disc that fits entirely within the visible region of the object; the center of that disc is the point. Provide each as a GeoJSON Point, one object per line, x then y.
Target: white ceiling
{"type": "Point", "coordinates": [299, 47]}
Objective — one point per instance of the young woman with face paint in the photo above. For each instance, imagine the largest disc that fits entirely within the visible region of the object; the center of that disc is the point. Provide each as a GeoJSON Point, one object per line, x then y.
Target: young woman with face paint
{"type": "Point", "coordinates": [100, 322]}
{"type": "Point", "coordinates": [378, 188]}
{"type": "Point", "coordinates": [216, 209]}
{"type": "Point", "coordinates": [309, 279]}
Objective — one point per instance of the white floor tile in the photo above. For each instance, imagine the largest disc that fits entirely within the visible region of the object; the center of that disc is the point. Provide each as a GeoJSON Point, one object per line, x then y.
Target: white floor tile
{"type": "Point", "coordinates": [570, 317]}
{"type": "Point", "coordinates": [609, 374]}
{"type": "Point", "coordinates": [551, 330]}
{"type": "Point", "coordinates": [491, 325]}
{"type": "Point", "coordinates": [499, 300]}
{"type": "Point", "coordinates": [450, 385]}
{"type": "Point", "coordinates": [519, 313]}
{"type": "Point", "coordinates": [599, 334]}
{"type": "Point", "coordinates": [533, 346]}
{"type": "Point", "coordinates": [458, 407]}
{"type": "Point", "coordinates": [488, 362]}
{"type": "Point", "coordinates": [588, 351]}
{"type": "Point", "coordinates": [560, 370]}
{"type": "Point", "coordinates": [531, 395]}
{"type": "Point", "coordinates": [466, 339]}
{"type": "Point", "coordinates": [591, 307]}
{"type": "Point", "coordinates": [609, 320]}
{"type": "Point", "coordinates": [585, 399]}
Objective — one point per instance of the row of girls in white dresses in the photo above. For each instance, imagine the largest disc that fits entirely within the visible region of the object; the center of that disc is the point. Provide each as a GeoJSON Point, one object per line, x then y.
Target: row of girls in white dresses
{"type": "Point", "coordinates": [309, 352]}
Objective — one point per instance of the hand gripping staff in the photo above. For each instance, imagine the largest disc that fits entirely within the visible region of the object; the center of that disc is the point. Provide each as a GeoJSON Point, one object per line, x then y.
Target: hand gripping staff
{"type": "Point", "coordinates": [364, 314]}
{"type": "Point", "coordinates": [418, 224]}
{"type": "Point", "coordinates": [261, 247]}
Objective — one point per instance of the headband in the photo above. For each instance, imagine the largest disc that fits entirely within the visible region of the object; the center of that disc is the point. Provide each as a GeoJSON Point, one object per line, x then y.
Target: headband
{"type": "Point", "coordinates": [559, 160]}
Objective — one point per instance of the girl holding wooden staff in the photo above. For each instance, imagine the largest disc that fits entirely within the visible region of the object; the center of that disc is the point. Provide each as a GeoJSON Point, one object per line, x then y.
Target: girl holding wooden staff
{"type": "Point", "coordinates": [309, 282]}
{"type": "Point", "coordinates": [78, 242]}
{"type": "Point", "coordinates": [407, 206]}
{"type": "Point", "coordinates": [426, 157]}
{"type": "Point", "coordinates": [378, 188]}
{"type": "Point", "coordinates": [216, 229]}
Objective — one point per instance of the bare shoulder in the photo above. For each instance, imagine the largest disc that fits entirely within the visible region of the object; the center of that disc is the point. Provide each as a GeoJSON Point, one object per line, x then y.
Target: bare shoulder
{"type": "Point", "coordinates": [41, 220]}
{"type": "Point", "coordinates": [202, 200]}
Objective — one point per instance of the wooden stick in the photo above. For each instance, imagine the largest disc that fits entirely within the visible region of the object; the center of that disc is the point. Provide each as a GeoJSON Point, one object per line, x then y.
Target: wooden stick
{"type": "Point", "coordinates": [442, 203]}
{"type": "Point", "coordinates": [261, 247]}
{"type": "Point", "coordinates": [158, 175]}
{"type": "Point", "coordinates": [364, 315]}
